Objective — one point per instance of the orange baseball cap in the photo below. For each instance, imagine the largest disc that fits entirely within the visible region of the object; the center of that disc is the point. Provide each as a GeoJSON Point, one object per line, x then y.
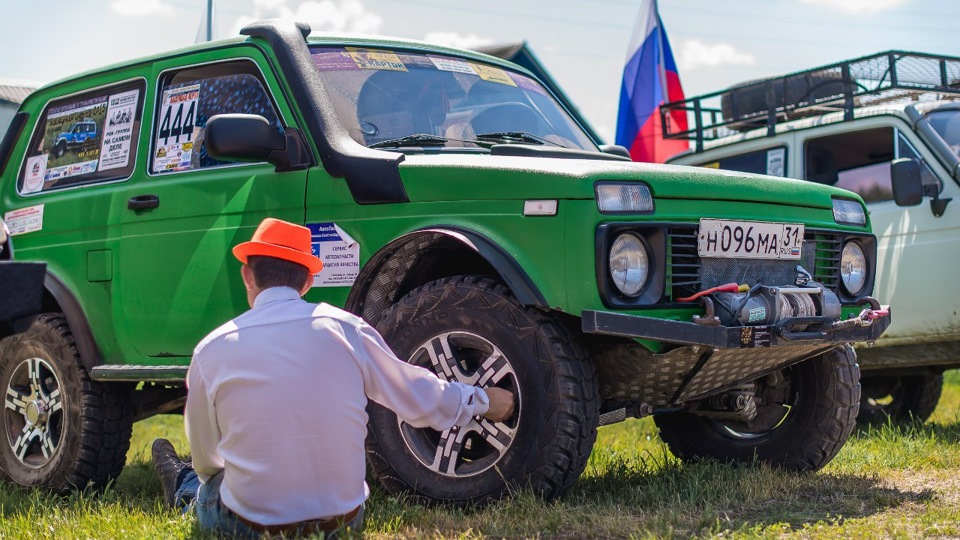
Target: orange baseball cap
{"type": "Point", "coordinates": [282, 240]}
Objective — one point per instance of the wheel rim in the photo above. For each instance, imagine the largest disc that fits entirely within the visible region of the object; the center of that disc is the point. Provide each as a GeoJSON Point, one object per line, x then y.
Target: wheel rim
{"type": "Point", "coordinates": [33, 412]}
{"type": "Point", "coordinates": [776, 398]}
{"type": "Point", "coordinates": [468, 450]}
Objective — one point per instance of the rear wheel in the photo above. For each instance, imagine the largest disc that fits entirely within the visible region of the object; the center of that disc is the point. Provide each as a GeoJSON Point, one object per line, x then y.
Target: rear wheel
{"type": "Point", "coordinates": [903, 398]}
{"type": "Point", "coordinates": [472, 330]}
{"type": "Point", "coordinates": [804, 415]}
{"type": "Point", "coordinates": [61, 431]}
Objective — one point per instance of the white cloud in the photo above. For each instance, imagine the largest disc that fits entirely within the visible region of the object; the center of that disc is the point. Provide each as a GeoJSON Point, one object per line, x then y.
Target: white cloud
{"type": "Point", "coordinates": [138, 8]}
{"type": "Point", "coordinates": [326, 15]}
{"type": "Point", "coordinates": [453, 39]}
{"type": "Point", "coordinates": [696, 54]}
{"type": "Point", "coordinates": [857, 6]}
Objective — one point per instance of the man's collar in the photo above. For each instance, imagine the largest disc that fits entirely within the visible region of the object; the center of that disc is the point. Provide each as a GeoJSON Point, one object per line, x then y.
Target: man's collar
{"type": "Point", "coordinates": [275, 294]}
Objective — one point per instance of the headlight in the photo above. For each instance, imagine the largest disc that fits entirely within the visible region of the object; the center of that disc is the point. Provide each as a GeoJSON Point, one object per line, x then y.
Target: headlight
{"type": "Point", "coordinates": [848, 212]}
{"type": "Point", "coordinates": [853, 268]}
{"type": "Point", "coordinates": [629, 264]}
{"type": "Point", "coordinates": [624, 198]}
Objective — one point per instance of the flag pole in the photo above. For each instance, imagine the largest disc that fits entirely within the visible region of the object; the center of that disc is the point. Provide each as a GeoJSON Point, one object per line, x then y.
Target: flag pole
{"type": "Point", "coordinates": [209, 20]}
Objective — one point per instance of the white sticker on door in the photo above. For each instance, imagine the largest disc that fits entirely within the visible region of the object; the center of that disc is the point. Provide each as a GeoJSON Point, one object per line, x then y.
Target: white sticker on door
{"type": "Point", "coordinates": [339, 252]}
{"type": "Point", "coordinates": [24, 220]}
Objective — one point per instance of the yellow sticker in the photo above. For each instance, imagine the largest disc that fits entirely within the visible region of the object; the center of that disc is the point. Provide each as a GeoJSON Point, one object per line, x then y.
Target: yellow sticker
{"type": "Point", "coordinates": [367, 59]}
{"type": "Point", "coordinates": [714, 165]}
{"type": "Point", "coordinates": [493, 74]}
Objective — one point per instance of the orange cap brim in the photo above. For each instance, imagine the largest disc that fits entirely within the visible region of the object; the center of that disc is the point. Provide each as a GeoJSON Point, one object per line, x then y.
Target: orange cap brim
{"type": "Point", "coordinates": [246, 249]}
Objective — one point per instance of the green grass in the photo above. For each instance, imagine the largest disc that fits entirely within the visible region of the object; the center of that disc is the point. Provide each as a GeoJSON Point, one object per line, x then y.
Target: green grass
{"type": "Point", "coordinates": [888, 481]}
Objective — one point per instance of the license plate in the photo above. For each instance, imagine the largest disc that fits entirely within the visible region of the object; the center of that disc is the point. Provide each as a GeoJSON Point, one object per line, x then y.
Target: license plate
{"type": "Point", "coordinates": [749, 239]}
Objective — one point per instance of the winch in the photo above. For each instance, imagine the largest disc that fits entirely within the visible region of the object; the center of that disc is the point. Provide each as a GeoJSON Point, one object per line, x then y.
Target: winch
{"type": "Point", "coordinates": [764, 305]}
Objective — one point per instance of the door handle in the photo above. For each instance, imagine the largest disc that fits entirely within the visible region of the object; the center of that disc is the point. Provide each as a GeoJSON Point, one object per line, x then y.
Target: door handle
{"type": "Point", "coordinates": [143, 202]}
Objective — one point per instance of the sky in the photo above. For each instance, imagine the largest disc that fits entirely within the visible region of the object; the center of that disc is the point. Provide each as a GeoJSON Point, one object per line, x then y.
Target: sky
{"type": "Point", "coordinates": [582, 43]}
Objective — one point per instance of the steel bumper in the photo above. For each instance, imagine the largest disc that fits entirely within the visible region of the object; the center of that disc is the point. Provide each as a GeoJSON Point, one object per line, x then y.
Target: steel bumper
{"type": "Point", "coordinates": [815, 330]}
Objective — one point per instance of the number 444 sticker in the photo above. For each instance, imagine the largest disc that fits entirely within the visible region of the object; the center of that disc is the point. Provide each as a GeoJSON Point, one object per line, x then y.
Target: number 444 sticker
{"type": "Point", "coordinates": [174, 144]}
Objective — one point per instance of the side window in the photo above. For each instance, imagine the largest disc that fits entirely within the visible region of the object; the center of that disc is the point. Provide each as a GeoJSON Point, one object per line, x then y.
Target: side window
{"type": "Point", "coordinates": [859, 161]}
{"type": "Point", "coordinates": [189, 98]}
{"type": "Point", "coordinates": [906, 150]}
{"type": "Point", "coordinates": [772, 161]}
{"type": "Point", "coordinates": [84, 139]}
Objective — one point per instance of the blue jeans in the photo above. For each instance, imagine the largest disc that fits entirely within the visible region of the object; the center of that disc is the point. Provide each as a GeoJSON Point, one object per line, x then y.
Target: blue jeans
{"type": "Point", "coordinates": [213, 515]}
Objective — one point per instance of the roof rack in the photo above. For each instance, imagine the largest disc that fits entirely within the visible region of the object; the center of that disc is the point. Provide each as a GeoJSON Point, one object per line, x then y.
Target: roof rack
{"type": "Point", "coordinates": [844, 86]}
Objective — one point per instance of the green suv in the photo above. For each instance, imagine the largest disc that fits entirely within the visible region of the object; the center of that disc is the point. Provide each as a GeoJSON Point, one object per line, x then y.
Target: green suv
{"type": "Point", "coordinates": [459, 209]}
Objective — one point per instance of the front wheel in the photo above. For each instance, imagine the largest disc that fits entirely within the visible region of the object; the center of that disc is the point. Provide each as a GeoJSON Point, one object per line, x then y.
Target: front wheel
{"type": "Point", "coordinates": [900, 398]}
{"type": "Point", "coordinates": [804, 415]}
{"type": "Point", "coordinates": [472, 330]}
{"type": "Point", "coordinates": [61, 431]}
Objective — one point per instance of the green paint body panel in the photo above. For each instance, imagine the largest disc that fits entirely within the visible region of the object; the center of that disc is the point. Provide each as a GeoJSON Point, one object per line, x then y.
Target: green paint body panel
{"type": "Point", "coordinates": [152, 283]}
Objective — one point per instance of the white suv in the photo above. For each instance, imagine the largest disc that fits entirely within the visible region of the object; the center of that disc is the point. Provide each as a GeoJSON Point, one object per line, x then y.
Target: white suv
{"type": "Point", "coordinates": [886, 126]}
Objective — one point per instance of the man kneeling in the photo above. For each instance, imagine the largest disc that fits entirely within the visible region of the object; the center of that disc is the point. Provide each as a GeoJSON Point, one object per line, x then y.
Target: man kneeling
{"type": "Point", "coordinates": [276, 404]}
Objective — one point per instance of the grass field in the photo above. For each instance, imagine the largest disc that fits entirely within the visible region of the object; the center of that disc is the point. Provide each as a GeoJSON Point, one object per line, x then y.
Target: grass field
{"type": "Point", "coordinates": [891, 481]}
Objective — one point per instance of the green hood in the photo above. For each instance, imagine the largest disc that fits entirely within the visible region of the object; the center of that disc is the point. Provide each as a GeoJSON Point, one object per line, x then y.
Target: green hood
{"type": "Point", "coordinates": [441, 177]}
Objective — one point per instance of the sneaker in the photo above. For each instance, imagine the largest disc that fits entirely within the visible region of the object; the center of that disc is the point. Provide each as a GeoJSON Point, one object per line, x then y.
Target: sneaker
{"type": "Point", "coordinates": [168, 466]}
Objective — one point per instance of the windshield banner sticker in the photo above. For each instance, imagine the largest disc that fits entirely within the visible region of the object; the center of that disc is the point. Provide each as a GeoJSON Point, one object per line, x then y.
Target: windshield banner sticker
{"type": "Point", "coordinates": [121, 110]}
{"type": "Point", "coordinates": [493, 74]}
{"type": "Point", "coordinates": [36, 172]}
{"type": "Point", "coordinates": [24, 220]}
{"type": "Point", "coordinates": [178, 114]}
{"type": "Point", "coordinates": [367, 59]}
{"type": "Point", "coordinates": [339, 252]}
{"type": "Point", "coordinates": [451, 64]}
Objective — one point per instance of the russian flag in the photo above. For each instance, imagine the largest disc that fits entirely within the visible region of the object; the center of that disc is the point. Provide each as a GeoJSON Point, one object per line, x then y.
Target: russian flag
{"type": "Point", "coordinates": [650, 79]}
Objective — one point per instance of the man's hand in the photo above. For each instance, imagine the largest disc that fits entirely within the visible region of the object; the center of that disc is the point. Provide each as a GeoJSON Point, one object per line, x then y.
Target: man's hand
{"type": "Point", "coordinates": [501, 404]}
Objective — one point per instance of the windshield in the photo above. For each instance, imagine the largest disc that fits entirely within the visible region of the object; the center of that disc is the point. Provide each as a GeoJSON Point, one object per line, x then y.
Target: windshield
{"type": "Point", "coordinates": [397, 98]}
{"type": "Point", "coordinates": [946, 122]}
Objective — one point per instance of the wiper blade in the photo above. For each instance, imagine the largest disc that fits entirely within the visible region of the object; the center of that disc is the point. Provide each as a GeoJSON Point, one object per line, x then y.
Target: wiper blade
{"type": "Point", "coordinates": [515, 137]}
{"type": "Point", "coordinates": [418, 139]}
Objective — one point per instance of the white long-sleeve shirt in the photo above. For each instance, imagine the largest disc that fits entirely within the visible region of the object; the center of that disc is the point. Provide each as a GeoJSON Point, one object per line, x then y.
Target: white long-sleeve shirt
{"type": "Point", "coordinates": [277, 398]}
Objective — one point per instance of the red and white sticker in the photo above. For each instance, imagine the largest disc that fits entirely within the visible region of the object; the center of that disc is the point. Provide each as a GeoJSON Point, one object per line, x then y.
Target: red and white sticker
{"type": "Point", "coordinates": [24, 220]}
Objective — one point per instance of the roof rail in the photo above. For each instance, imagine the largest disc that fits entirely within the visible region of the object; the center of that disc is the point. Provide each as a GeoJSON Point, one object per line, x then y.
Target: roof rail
{"type": "Point", "coordinates": [844, 86]}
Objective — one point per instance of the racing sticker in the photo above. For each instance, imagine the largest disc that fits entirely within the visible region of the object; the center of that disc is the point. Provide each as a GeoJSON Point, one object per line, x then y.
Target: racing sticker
{"type": "Point", "coordinates": [35, 174]}
{"type": "Point", "coordinates": [173, 150]}
{"type": "Point", "coordinates": [451, 64]}
{"type": "Point", "coordinates": [72, 139]}
{"type": "Point", "coordinates": [339, 252]}
{"type": "Point", "coordinates": [118, 131]}
{"type": "Point", "coordinates": [493, 74]}
{"type": "Point", "coordinates": [24, 220]}
{"type": "Point", "coordinates": [367, 59]}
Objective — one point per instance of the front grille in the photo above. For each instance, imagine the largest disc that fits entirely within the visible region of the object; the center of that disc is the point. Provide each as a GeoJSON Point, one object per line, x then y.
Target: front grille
{"type": "Point", "coordinates": [688, 273]}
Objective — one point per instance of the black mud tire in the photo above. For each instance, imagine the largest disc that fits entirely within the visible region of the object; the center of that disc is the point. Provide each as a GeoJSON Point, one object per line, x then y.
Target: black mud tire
{"type": "Point", "coordinates": [60, 149]}
{"type": "Point", "coordinates": [557, 415]}
{"type": "Point", "coordinates": [824, 396]}
{"type": "Point", "coordinates": [905, 398]}
{"type": "Point", "coordinates": [84, 425]}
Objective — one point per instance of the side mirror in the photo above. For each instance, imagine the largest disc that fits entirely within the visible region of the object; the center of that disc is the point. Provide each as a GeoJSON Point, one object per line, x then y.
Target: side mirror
{"type": "Point", "coordinates": [615, 149]}
{"type": "Point", "coordinates": [250, 137]}
{"type": "Point", "coordinates": [907, 185]}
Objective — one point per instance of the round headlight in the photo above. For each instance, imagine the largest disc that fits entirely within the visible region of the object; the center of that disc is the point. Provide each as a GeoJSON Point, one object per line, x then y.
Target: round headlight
{"type": "Point", "coordinates": [853, 268]}
{"type": "Point", "coordinates": [629, 264]}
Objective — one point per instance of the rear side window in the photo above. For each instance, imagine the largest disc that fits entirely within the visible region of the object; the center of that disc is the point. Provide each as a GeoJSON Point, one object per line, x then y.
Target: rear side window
{"type": "Point", "coordinates": [189, 98]}
{"type": "Point", "coordinates": [83, 139]}
{"type": "Point", "coordinates": [772, 161]}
